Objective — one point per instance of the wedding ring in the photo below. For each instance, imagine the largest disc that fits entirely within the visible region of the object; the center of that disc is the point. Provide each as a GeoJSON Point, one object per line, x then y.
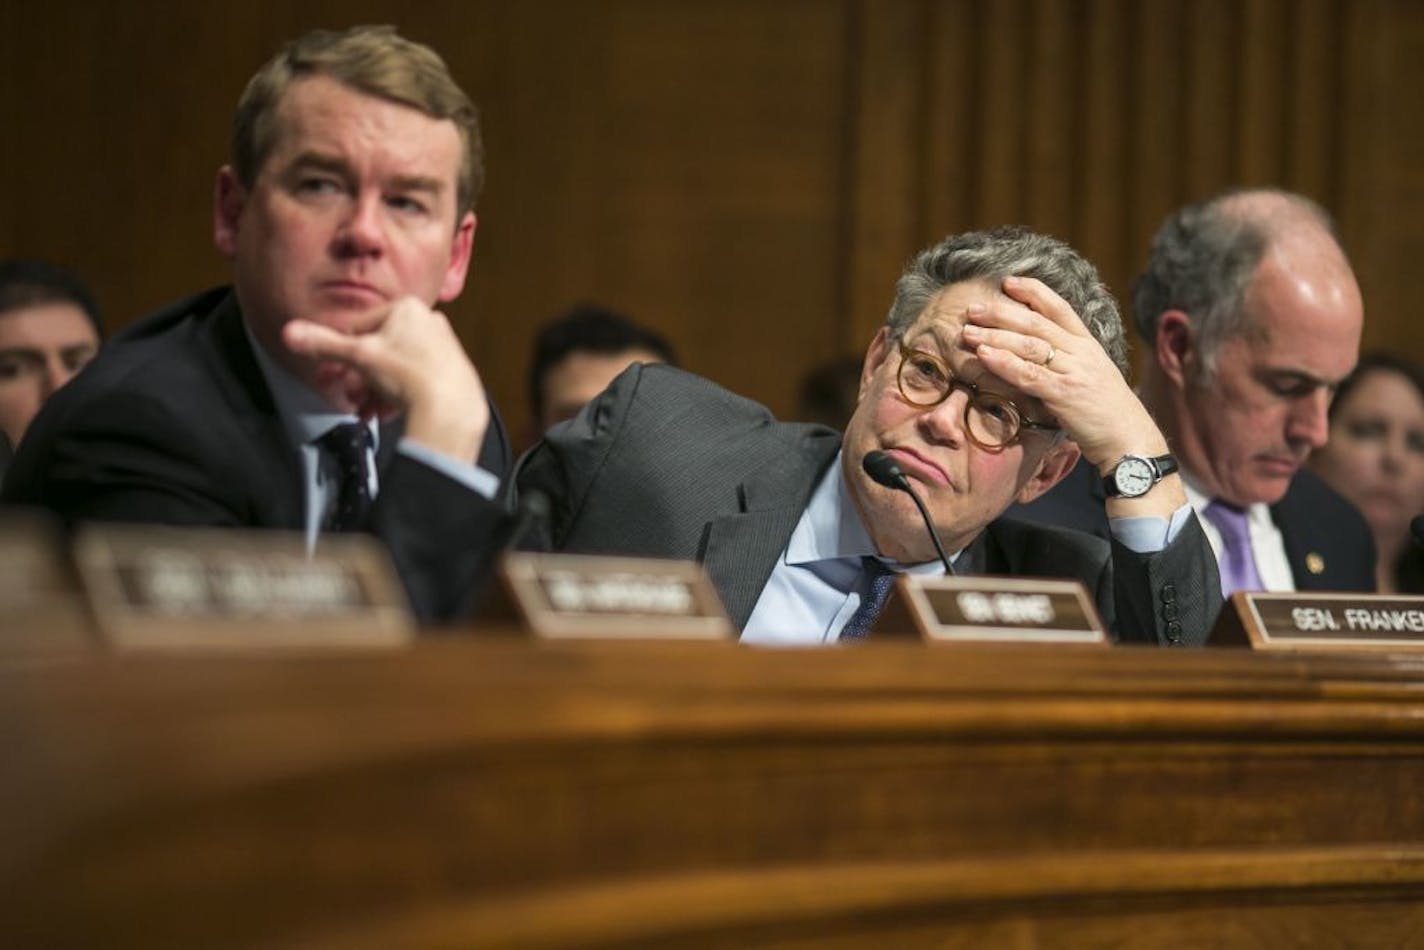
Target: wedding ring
{"type": "Point", "coordinates": [1052, 352]}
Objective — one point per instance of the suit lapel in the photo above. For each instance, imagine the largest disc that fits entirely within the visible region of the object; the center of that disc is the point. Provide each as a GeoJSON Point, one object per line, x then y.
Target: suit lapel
{"type": "Point", "coordinates": [391, 432]}
{"type": "Point", "coordinates": [1306, 563]}
{"type": "Point", "coordinates": [742, 549]}
{"type": "Point", "coordinates": [246, 390]}
{"type": "Point", "coordinates": [983, 555]}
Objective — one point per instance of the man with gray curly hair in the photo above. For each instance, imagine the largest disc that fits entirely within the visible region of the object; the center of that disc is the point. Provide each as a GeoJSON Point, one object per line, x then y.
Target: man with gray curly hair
{"type": "Point", "coordinates": [984, 386]}
{"type": "Point", "coordinates": [1252, 316]}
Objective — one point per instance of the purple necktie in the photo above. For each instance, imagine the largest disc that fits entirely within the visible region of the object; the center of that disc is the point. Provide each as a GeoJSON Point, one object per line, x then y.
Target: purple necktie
{"type": "Point", "coordinates": [1237, 562]}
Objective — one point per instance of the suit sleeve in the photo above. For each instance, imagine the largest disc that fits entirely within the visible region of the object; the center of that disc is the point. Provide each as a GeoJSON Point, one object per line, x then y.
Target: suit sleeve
{"type": "Point", "coordinates": [443, 536]}
{"type": "Point", "coordinates": [129, 457]}
{"type": "Point", "coordinates": [1169, 598]}
{"type": "Point", "coordinates": [563, 466]}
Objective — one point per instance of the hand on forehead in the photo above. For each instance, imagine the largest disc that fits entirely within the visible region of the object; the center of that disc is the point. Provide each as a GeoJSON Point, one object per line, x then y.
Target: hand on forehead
{"type": "Point", "coordinates": [978, 303]}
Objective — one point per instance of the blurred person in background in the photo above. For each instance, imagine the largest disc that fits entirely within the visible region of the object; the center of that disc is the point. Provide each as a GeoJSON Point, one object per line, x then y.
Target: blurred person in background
{"type": "Point", "coordinates": [829, 392]}
{"type": "Point", "coordinates": [576, 356]}
{"type": "Point", "coordinates": [1375, 458]}
{"type": "Point", "coordinates": [49, 329]}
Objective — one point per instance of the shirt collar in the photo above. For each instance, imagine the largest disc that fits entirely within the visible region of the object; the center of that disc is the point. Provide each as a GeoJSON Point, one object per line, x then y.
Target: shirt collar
{"type": "Point", "coordinates": [306, 416]}
{"type": "Point", "coordinates": [830, 527]}
{"type": "Point", "coordinates": [1256, 513]}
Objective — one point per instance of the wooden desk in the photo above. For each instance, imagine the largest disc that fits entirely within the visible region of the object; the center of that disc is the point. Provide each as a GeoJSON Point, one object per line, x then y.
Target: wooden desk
{"type": "Point", "coordinates": [502, 792]}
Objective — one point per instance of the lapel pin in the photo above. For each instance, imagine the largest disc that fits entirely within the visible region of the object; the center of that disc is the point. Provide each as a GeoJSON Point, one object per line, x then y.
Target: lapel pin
{"type": "Point", "coordinates": [1314, 563]}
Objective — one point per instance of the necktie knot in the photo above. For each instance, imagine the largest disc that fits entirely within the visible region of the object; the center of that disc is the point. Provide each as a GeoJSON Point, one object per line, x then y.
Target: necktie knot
{"type": "Point", "coordinates": [1229, 519]}
{"type": "Point", "coordinates": [349, 445]}
{"type": "Point", "coordinates": [881, 582]}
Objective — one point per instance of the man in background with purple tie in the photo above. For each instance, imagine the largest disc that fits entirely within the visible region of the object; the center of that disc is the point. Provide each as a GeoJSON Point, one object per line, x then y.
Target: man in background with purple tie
{"type": "Point", "coordinates": [1252, 316]}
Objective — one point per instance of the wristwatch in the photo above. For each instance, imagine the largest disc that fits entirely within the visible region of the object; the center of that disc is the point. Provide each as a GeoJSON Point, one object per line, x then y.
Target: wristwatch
{"type": "Point", "coordinates": [1134, 475]}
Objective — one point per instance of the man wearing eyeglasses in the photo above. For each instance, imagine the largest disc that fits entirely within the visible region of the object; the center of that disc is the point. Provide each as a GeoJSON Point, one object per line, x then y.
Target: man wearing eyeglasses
{"type": "Point", "coordinates": [1002, 361]}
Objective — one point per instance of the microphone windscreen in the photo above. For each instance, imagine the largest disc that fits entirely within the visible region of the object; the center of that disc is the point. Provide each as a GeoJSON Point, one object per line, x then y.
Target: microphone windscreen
{"type": "Point", "coordinates": [534, 504]}
{"type": "Point", "coordinates": [883, 469]}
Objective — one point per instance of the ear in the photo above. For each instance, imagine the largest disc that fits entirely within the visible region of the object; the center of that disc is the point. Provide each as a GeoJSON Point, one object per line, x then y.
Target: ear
{"type": "Point", "coordinates": [461, 247]}
{"type": "Point", "coordinates": [877, 354]}
{"type": "Point", "coordinates": [1055, 465]}
{"type": "Point", "coordinates": [1176, 346]}
{"type": "Point", "coordinates": [229, 198]}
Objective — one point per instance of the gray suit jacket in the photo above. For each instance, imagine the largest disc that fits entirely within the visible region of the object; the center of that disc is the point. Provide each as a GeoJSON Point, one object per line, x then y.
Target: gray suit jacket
{"type": "Point", "coordinates": [666, 464]}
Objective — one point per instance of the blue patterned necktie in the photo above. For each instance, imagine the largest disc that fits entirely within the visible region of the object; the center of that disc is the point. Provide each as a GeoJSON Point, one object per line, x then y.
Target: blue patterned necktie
{"type": "Point", "coordinates": [1237, 562]}
{"type": "Point", "coordinates": [349, 444]}
{"type": "Point", "coordinates": [882, 579]}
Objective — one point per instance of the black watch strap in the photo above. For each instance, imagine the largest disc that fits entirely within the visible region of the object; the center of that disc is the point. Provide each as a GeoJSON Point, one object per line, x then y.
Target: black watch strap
{"type": "Point", "coordinates": [1162, 466]}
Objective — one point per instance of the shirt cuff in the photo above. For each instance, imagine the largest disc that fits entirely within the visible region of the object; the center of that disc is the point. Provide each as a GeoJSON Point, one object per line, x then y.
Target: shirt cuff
{"type": "Point", "coordinates": [476, 479]}
{"type": "Point", "coordinates": [1149, 534]}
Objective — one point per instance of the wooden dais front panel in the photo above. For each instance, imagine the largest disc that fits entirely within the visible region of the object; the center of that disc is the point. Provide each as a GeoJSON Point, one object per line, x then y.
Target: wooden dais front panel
{"type": "Point", "coordinates": [473, 793]}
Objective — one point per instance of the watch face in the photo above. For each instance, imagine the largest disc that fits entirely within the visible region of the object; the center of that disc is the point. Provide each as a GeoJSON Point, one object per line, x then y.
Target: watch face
{"type": "Point", "coordinates": [1133, 477]}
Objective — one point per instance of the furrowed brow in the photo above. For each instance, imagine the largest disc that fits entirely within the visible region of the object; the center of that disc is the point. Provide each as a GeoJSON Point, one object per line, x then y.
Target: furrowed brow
{"type": "Point", "coordinates": [420, 183]}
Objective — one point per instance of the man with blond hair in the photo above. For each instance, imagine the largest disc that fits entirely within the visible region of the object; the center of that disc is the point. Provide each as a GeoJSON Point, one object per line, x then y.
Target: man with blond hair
{"type": "Point", "coordinates": [347, 214]}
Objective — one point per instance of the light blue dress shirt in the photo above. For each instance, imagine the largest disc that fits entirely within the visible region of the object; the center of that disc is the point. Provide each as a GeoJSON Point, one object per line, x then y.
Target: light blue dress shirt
{"type": "Point", "coordinates": [818, 581]}
{"type": "Point", "coordinates": [306, 417]}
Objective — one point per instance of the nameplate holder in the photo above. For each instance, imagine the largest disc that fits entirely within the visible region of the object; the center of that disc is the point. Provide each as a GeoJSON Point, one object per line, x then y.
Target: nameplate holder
{"type": "Point", "coordinates": [1313, 622]}
{"type": "Point", "coordinates": [236, 589]}
{"type": "Point", "coordinates": [587, 597]}
{"type": "Point", "coordinates": [42, 609]}
{"type": "Point", "coordinates": [991, 610]}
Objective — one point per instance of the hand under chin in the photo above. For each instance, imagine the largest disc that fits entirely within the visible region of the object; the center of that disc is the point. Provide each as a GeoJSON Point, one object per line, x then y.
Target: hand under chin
{"type": "Point", "coordinates": [347, 390]}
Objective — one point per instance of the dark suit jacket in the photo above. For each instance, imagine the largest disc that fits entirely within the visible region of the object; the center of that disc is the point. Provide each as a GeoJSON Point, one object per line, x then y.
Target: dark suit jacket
{"type": "Point", "coordinates": [665, 464]}
{"type": "Point", "coordinates": [173, 423]}
{"type": "Point", "coordinates": [1327, 541]}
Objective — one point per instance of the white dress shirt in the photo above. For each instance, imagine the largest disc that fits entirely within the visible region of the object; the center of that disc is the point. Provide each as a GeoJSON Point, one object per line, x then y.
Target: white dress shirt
{"type": "Point", "coordinates": [1267, 545]}
{"type": "Point", "coordinates": [819, 580]}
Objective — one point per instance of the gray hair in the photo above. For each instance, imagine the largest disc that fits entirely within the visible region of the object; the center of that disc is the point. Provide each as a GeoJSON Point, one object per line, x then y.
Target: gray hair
{"type": "Point", "coordinates": [1204, 256]}
{"type": "Point", "coordinates": [1003, 252]}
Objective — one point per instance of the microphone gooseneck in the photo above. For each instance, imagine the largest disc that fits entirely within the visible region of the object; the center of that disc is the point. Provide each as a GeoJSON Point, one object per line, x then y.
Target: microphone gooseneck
{"type": "Point", "coordinates": [532, 513]}
{"type": "Point", "coordinates": [885, 471]}
{"type": "Point", "coordinates": [1416, 528]}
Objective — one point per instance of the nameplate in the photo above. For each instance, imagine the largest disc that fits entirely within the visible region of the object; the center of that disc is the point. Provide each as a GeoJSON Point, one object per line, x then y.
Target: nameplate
{"type": "Point", "coordinates": [1312, 622]}
{"type": "Point", "coordinates": [992, 610]}
{"type": "Point", "coordinates": [159, 587]}
{"type": "Point", "coordinates": [583, 597]}
{"type": "Point", "coordinates": [42, 609]}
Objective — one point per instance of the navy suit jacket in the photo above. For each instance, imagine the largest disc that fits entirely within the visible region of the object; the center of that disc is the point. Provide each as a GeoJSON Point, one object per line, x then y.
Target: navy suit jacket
{"type": "Point", "coordinates": [173, 423]}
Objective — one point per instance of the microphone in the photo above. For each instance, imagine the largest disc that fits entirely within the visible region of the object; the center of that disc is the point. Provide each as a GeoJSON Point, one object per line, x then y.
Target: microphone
{"type": "Point", "coordinates": [531, 514]}
{"type": "Point", "coordinates": [1416, 528]}
{"type": "Point", "coordinates": [885, 471]}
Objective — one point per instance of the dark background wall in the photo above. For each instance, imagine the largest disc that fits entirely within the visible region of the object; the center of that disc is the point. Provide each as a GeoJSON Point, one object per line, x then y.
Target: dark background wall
{"type": "Point", "coordinates": [748, 175]}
